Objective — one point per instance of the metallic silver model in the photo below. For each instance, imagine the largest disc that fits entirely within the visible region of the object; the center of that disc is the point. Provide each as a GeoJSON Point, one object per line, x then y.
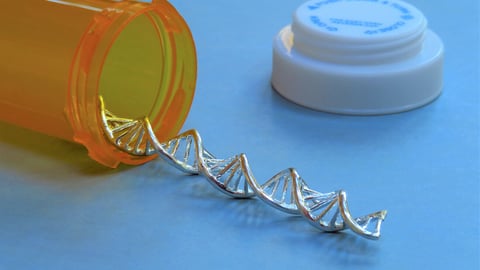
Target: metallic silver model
{"type": "Point", "coordinates": [286, 191]}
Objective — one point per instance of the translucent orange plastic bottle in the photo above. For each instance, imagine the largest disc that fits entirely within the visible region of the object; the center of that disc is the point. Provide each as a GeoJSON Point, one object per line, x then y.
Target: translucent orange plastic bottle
{"type": "Point", "coordinates": [58, 56]}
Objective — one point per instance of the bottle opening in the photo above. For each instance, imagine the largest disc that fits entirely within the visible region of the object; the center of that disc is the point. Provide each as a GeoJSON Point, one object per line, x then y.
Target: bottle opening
{"type": "Point", "coordinates": [141, 60]}
{"type": "Point", "coordinates": [133, 71]}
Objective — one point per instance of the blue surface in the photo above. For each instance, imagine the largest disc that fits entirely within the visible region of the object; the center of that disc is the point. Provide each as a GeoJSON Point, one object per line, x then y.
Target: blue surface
{"type": "Point", "coordinates": [60, 210]}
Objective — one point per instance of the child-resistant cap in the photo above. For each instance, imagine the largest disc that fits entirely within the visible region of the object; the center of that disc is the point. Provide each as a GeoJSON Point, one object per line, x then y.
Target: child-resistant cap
{"type": "Point", "coordinates": [358, 57]}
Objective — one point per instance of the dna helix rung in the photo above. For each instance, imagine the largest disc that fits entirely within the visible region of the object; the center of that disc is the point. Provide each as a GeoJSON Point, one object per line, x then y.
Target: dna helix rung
{"type": "Point", "coordinates": [286, 191]}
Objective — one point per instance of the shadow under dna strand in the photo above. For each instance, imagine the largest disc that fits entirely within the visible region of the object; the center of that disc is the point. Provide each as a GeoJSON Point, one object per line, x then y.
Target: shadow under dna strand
{"type": "Point", "coordinates": [203, 197]}
{"type": "Point", "coordinates": [253, 217]}
{"type": "Point", "coordinates": [250, 215]}
{"type": "Point", "coordinates": [339, 249]}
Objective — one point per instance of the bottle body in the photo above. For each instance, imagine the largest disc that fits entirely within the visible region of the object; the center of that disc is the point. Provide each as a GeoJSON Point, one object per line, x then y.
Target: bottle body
{"type": "Point", "coordinates": [38, 43]}
{"type": "Point", "coordinates": [58, 57]}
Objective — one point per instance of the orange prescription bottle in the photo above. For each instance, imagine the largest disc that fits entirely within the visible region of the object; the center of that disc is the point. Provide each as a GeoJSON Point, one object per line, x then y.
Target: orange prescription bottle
{"type": "Point", "coordinates": [58, 56]}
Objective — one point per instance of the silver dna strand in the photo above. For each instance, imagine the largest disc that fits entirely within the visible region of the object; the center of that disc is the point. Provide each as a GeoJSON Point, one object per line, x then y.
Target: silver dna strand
{"type": "Point", "coordinates": [286, 191]}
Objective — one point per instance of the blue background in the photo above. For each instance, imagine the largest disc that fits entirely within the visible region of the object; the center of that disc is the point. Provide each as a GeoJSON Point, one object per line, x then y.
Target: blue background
{"type": "Point", "coordinates": [60, 210]}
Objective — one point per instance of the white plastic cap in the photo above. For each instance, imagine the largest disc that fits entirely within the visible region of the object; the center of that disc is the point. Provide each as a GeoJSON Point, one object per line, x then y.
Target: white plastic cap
{"type": "Point", "coordinates": [358, 57]}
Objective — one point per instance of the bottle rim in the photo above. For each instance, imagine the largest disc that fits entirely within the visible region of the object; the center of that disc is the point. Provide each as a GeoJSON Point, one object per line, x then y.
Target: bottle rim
{"type": "Point", "coordinates": [83, 109]}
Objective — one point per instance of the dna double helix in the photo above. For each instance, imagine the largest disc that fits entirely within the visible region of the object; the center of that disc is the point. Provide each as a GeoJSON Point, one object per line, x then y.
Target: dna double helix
{"type": "Point", "coordinates": [286, 191]}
